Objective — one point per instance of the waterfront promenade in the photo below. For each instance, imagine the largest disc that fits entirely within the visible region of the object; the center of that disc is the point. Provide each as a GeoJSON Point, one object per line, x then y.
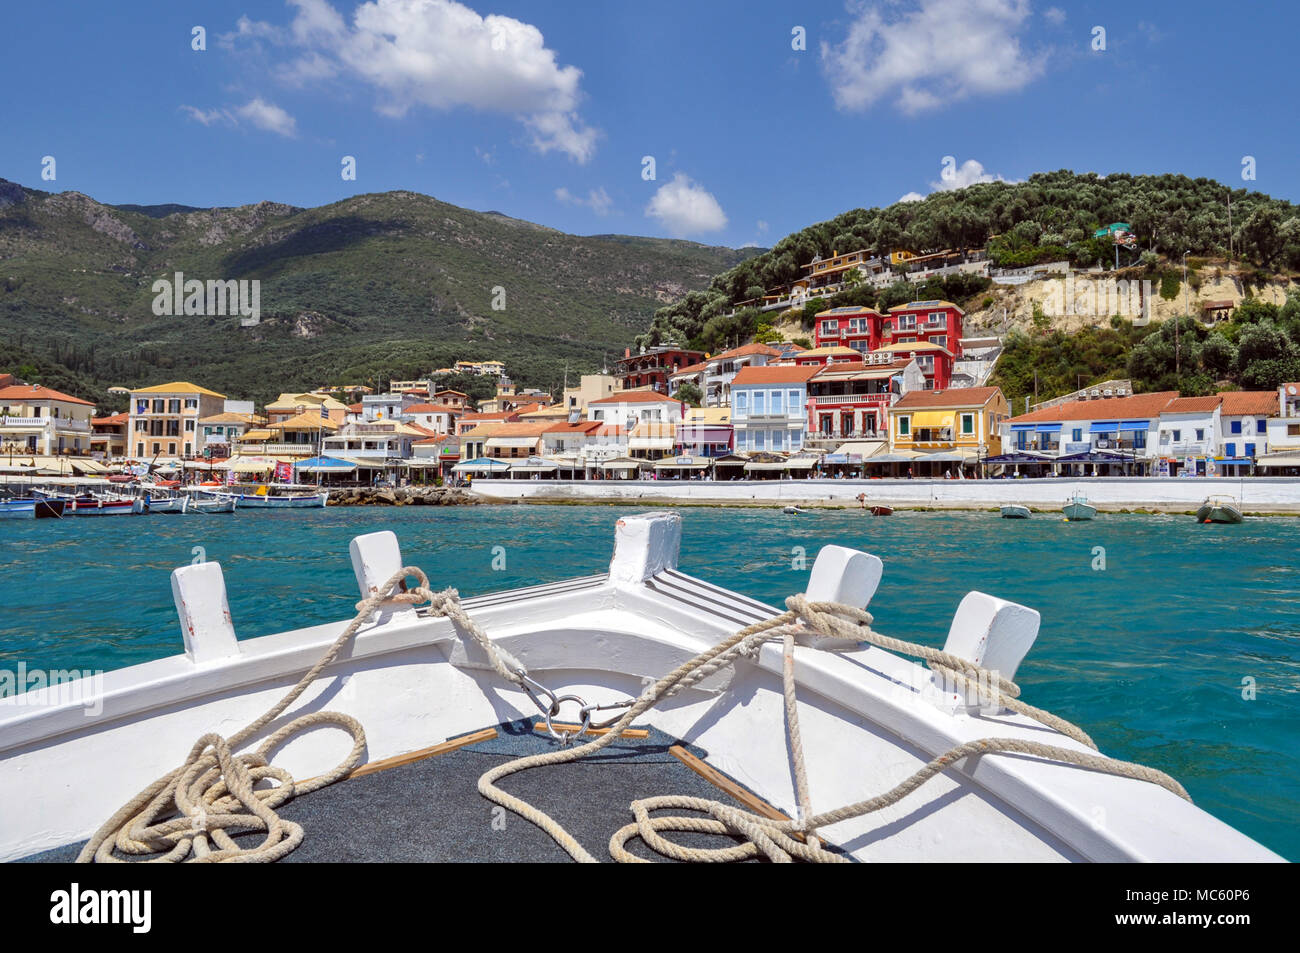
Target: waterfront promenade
{"type": "Point", "coordinates": [1255, 495]}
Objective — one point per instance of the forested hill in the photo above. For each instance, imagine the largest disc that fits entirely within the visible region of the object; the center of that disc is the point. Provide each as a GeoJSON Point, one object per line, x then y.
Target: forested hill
{"type": "Point", "coordinates": [375, 286]}
{"type": "Point", "coordinates": [1051, 216]}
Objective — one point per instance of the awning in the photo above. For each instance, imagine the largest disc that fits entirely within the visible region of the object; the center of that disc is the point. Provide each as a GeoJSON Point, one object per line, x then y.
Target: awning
{"type": "Point", "coordinates": [1109, 426]}
{"type": "Point", "coordinates": [534, 465]}
{"type": "Point", "coordinates": [950, 456]}
{"type": "Point", "coordinates": [1049, 428]}
{"type": "Point", "coordinates": [794, 463]}
{"type": "Point", "coordinates": [931, 419]}
{"type": "Point", "coordinates": [898, 456]}
{"type": "Point", "coordinates": [650, 443]}
{"type": "Point", "coordinates": [622, 463]}
{"type": "Point", "coordinates": [1023, 428]}
{"type": "Point", "coordinates": [1135, 425]}
{"type": "Point", "coordinates": [325, 465]}
{"type": "Point", "coordinates": [1279, 460]}
{"type": "Point", "coordinates": [861, 448]}
{"type": "Point", "coordinates": [683, 463]}
{"type": "Point", "coordinates": [508, 443]}
{"type": "Point", "coordinates": [1233, 461]}
{"type": "Point", "coordinates": [481, 465]}
{"type": "Point", "coordinates": [88, 466]}
{"type": "Point", "coordinates": [251, 466]}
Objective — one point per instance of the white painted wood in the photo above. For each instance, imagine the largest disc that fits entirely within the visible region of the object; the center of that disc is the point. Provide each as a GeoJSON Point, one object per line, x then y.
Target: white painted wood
{"type": "Point", "coordinates": [991, 632]}
{"type": "Point", "coordinates": [645, 544]}
{"type": "Point", "coordinates": [844, 575]}
{"type": "Point", "coordinates": [208, 630]}
{"type": "Point", "coordinates": [375, 558]}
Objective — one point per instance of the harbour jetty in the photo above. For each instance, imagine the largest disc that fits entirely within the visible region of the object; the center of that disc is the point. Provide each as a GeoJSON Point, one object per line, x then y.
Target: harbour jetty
{"type": "Point", "coordinates": [403, 496]}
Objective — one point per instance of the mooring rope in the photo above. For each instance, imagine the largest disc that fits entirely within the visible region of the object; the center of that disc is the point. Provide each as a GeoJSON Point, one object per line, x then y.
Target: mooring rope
{"type": "Point", "coordinates": [198, 806]}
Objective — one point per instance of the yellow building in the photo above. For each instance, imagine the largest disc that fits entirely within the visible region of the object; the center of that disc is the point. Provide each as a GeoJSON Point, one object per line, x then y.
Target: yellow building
{"type": "Point", "coordinates": [964, 423]}
{"type": "Point", "coordinates": [165, 418]}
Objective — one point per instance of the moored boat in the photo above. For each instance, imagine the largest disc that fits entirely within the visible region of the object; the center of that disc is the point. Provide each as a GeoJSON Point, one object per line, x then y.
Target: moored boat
{"type": "Point", "coordinates": [881, 509]}
{"type": "Point", "coordinates": [1077, 509]}
{"type": "Point", "coordinates": [98, 506]}
{"type": "Point", "coordinates": [199, 504]}
{"type": "Point", "coordinates": [287, 501]}
{"type": "Point", "coordinates": [1219, 509]}
{"type": "Point", "coordinates": [1015, 511]}
{"type": "Point", "coordinates": [18, 509]}
{"type": "Point", "coordinates": [48, 507]}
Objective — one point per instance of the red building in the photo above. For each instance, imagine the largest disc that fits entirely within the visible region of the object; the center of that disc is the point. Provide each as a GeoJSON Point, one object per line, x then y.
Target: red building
{"type": "Point", "coordinates": [933, 322]}
{"type": "Point", "coordinates": [653, 367]}
{"type": "Point", "coordinates": [859, 328]}
{"type": "Point", "coordinates": [853, 400]}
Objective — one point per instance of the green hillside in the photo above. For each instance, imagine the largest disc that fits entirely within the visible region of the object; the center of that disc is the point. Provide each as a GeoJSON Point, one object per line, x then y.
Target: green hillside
{"type": "Point", "coordinates": [372, 287]}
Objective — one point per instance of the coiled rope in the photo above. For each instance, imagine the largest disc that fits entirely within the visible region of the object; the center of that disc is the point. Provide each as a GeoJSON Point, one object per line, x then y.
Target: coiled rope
{"type": "Point", "coordinates": [190, 813]}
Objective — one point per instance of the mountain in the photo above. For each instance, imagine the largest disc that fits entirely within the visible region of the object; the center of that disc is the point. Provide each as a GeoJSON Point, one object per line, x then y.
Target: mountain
{"type": "Point", "coordinates": [375, 286]}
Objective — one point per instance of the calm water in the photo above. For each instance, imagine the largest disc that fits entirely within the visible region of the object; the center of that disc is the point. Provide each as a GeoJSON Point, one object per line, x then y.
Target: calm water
{"type": "Point", "coordinates": [1148, 654]}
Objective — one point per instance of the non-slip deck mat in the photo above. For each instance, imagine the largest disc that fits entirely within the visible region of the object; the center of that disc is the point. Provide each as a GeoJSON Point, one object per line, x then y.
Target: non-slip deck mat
{"type": "Point", "coordinates": [431, 811]}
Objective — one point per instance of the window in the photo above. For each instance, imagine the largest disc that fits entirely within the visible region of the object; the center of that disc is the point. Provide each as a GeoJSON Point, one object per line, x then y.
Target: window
{"type": "Point", "coordinates": [940, 339]}
{"type": "Point", "coordinates": [139, 450]}
{"type": "Point", "coordinates": [907, 321]}
{"type": "Point", "coordinates": [1250, 450]}
{"type": "Point", "coordinates": [796, 439]}
{"type": "Point", "coordinates": [760, 439]}
{"type": "Point", "coordinates": [1236, 426]}
{"type": "Point", "coordinates": [1077, 434]}
{"type": "Point", "coordinates": [904, 426]}
{"type": "Point", "coordinates": [142, 406]}
{"type": "Point", "coordinates": [1178, 435]}
{"type": "Point", "coordinates": [141, 425]}
{"type": "Point", "coordinates": [1231, 449]}
{"type": "Point", "coordinates": [159, 406]}
{"type": "Point", "coordinates": [777, 403]}
{"type": "Point", "coordinates": [830, 327]}
{"type": "Point", "coordinates": [793, 400]}
{"type": "Point", "coordinates": [1200, 434]}
{"type": "Point", "coordinates": [742, 403]}
{"type": "Point", "coordinates": [1261, 425]}
{"type": "Point", "coordinates": [760, 403]}
{"type": "Point", "coordinates": [189, 449]}
{"type": "Point", "coordinates": [1293, 430]}
{"type": "Point", "coordinates": [189, 426]}
{"type": "Point", "coordinates": [967, 424]}
{"type": "Point", "coordinates": [174, 405]}
{"type": "Point", "coordinates": [778, 439]}
{"type": "Point", "coordinates": [938, 317]}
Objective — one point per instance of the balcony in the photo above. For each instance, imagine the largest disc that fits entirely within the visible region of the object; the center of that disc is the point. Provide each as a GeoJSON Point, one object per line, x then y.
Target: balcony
{"type": "Point", "coordinates": [255, 449]}
{"type": "Point", "coordinates": [69, 425]}
{"type": "Point", "coordinates": [836, 400]}
{"type": "Point", "coordinates": [24, 421]}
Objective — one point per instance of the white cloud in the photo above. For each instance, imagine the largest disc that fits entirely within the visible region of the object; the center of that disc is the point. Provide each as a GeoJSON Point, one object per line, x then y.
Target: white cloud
{"type": "Point", "coordinates": [685, 208]}
{"type": "Point", "coordinates": [268, 116]}
{"type": "Point", "coordinates": [969, 172]}
{"type": "Point", "coordinates": [597, 200]}
{"type": "Point", "coordinates": [1054, 15]}
{"type": "Point", "coordinates": [940, 52]}
{"type": "Point", "coordinates": [911, 197]}
{"type": "Point", "coordinates": [440, 55]}
{"type": "Point", "coordinates": [256, 112]}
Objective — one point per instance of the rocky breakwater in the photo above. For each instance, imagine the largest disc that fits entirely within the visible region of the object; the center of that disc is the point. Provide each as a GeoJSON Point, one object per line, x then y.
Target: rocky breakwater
{"type": "Point", "coordinates": [403, 496]}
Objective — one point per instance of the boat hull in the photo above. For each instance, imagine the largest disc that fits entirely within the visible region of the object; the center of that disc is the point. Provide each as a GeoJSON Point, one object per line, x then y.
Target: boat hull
{"type": "Point", "coordinates": [1078, 512]}
{"type": "Point", "coordinates": [47, 508]}
{"type": "Point", "coordinates": [102, 508]}
{"type": "Point", "coordinates": [1014, 511]}
{"type": "Point", "coordinates": [1218, 514]}
{"type": "Point", "coordinates": [212, 506]}
{"type": "Point", "coordinates": [18, 510]}
{"type": "Point", "coordinates": [314, 501]}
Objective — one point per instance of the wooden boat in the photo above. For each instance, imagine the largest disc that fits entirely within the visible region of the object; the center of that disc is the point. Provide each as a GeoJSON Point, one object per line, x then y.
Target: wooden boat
{"type": "Point", "coordinates": [1015, 511]}
{"type": "Point", "coordinates": [17, 509]}
{"type": "Point", "coordinates": [50, 507]}
{"type": "Point", "coordinates": [881, 510]}
{"type": "Point", "coordinates": [95, 506]}
{"type": "Point", "coordinates": [199, 504]}
{"type": "Point", "coordinates": [580, 652]}
{"type": "Point", "coordinates": [165, 504]}
{"type": "Point", "coordinates": [792, 510]}
{"type": "Point", "coordinates": [1219, 509]}
{"type": "Point", "coordinates": [288, 501]}
{"type": "Point", "coordinates": [1078, 509]}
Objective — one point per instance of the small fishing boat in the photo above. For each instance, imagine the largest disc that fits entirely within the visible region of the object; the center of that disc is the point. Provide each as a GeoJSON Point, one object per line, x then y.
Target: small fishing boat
{"type": "Point", "coordinates": [163, 504]}
{"type": "Point", "coordinates": [1219, 509]}
{"type": "Point", "coordinates": [1077, 509]}
{"type": "Point", "coordinates": [48, 507]}
{"type": "Point", "coordinates": [287, 501]}
{"type": "Point", "coordinates": [881, 510]}
{"type": "Point", "coordinates": [15, 509]}
{"type": "Point", "coordinates": [1015, 511]}
{"type": "Point", "coordinates": [88, 505]}
{"type": "Point", "coordinates": [792, 510]}
{"type": "Point", "coordinates": [199, 504]}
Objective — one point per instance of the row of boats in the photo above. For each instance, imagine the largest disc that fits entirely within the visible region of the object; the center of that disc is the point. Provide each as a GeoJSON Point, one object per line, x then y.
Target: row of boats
{"type": "Point", "coordinates": [1216, 509]}
{"type": "Point", "coordinates": [146, 499]}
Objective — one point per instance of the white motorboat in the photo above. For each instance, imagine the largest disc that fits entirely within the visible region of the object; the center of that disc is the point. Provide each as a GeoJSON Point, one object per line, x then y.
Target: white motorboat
{"type": "Point", "coordinates": [148, 503]}
{"type": "Point", "coordinates": [205, 504]}
{"type": "Point", "coordinates": [1077, 508]}
{"type": "Point", "coordinates": [1219, 509]}
{"type": "Point", "coordinates": [270, 501]}
{"type": "Point", "coordinates": [429, 683]}
{"type": "Point", "coordinates": [1015, 511]}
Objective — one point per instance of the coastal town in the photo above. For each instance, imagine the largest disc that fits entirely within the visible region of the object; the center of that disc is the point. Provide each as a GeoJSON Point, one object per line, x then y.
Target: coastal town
{"type": "Point", "coordinates": [895, 394]}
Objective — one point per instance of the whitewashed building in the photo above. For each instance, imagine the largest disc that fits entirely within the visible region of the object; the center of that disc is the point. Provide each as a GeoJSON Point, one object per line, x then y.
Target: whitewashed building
{"type": "Point", "coordinates": [769, 407]}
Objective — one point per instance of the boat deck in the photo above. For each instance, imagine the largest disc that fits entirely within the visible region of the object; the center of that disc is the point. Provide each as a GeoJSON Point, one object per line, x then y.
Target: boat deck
{"type": "Point", "coordinates": [430, 810]}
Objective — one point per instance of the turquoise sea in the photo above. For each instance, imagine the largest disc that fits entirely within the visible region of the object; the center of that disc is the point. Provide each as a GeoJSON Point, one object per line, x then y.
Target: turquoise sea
{"type": "Point", "coordinates": [1183, 652]}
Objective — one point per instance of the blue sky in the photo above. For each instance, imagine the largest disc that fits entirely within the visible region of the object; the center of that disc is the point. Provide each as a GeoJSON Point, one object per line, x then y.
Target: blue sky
{"type": "Point", "coordinates": [544, 111]}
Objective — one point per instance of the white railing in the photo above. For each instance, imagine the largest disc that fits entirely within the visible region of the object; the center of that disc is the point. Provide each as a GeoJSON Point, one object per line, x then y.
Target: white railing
{"type": "Point", "coordinates": [850, 399]}
{"type": "Point", "coordinates": [253, 449]}
{"type": "Point", "coordinates": [24, 421]}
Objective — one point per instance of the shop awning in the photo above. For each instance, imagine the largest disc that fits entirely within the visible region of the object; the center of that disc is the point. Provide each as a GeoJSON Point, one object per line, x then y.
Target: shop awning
{"type": "Point", "coordinates": [931, 419]}
{"type": "Point", "coordinates": [1278, 460]}
{"type": "Point", "coordinates": [533, 465]}
{"type": "Point", "coordinates": [683, 463]}
{"type": "Point", "coordinates": [1049, 428]}
{"type": "Point", "coordinates": [251, 466]}
{"type": "Point", "coordinates": [1108, 426]}
{"type": "Point", "coordinates": [620, 463]}
{"type": "Point", "coordinates": [325, 465]}
{"type": "Point", "coordinates": [481, 465]}
{"type": "Point", "coordinates": [898, 456]}
{"type": "Point", "coordinates": [859, 448]}
{"type": "Point", "coordinates": [950, 456]}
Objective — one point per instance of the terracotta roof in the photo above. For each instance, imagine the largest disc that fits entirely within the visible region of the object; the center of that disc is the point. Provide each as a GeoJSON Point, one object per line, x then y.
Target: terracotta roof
{"type": "Point", "coordinates": [114, 419]}
{"type": "Point", "coordinates": [308, 420]}
{"type": "Point", "coordinates": [829, 350]}
{"type": "Point", "coordinates": [448, 390]}
{"type": "Point", "coordinates": [747, 349]}
{"type": "Point", "coordinates": [582, 426]}
{"type": "Point", "coordinates": [1192, 405]}
{"type": "Point", "coordinates": [1135, 407]}
{"type": "Point", "coordinates": [636, 397]}
{"type": "Point", "coordinates": [1253, 402]}
{"type": "Point", "coordinates": [775, 374]}
{"type": "Point", "coordinates": [436, 438]}
{"type": "Point", "coordinates": [177, 387]}
{"type": "Point", "coordinates": [691, 369]}
{"type": "Point", "coordinates": [522, 429]}
{"type": "Point", "coordinates": [39, 392]}
{"type": "Point", "coordinates": [356, 408]}
{"type": "Point", "coordinates": [233, 418]}
{"type": "Point", "coordinates": [952, 397]}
